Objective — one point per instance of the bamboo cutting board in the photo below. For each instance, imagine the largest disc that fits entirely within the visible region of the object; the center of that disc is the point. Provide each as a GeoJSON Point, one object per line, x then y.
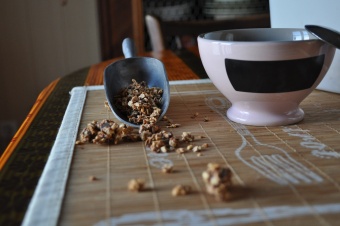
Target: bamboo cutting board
{"type": "Point", "coordinates": [285, 175]}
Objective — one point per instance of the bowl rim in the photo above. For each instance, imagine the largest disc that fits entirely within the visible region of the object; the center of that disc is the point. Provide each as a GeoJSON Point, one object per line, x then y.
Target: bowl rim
{"type": "Point", "coordinates": [312, 37]}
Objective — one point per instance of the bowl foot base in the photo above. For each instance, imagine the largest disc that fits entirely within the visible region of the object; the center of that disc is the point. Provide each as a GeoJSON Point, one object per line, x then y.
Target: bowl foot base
{"type": "Point", "coordinates": [265, 118]}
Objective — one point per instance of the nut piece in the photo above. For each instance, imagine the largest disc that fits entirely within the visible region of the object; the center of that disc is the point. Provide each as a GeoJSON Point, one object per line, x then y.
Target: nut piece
{"type": "Point", "coordinates": [78, 142]}
{"type": "Point", "coordinates": [217, 181]}
{"type": "Point", "coordinates": [136, 185]}
{"type": "Point", "coordinates": [106, 105]}
{"type": "Point", "coordinates": [196, 148]}
{"type": "Point", "coordinates": [194, 115]}
{"type": "Point", "coordinates": [180, 190]}
{"type": "Point", "coordinates": [205, 145]}
{"type": "Point", "coordinates": [186, 136]}
{"type": "Point", "coordinates": [173, 125]}
{"type": "Point", "coordinates": [173, 142]}
{"type": "Point", "coordinates": [190, 147]}
{"type": "Point", "coordinates": [167, 168]}
{"type": "Point", "coordinates": [92, 178]}
{"type": "Point", "coordinates": [180, 150]}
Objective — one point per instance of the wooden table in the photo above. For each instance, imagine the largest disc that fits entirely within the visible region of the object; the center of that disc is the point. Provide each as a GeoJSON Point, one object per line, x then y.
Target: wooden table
{"type": "Point", "coordinates": [282, 175]}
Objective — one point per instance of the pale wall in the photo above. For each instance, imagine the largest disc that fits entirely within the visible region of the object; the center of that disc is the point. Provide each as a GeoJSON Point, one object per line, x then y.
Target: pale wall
{"type": "Point", "coordinates": [41, 40]}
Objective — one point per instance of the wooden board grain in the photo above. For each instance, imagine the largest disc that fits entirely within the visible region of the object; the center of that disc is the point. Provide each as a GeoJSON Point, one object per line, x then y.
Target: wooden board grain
{"type": "Point", "coordinates": [284, 175]}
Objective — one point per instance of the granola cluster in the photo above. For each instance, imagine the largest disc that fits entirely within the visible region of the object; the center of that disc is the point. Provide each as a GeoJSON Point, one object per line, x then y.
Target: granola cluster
{"type": "Point", "coordinates": [136, 185]}
{"type": "Point", "coordinates": [107, 131]}
{"type": "Point", "coordinates": [140, 103]}
{"type": "Point", "coordinates": [217, 180]}
{"type": "Point", "coordinates": [180, 190]}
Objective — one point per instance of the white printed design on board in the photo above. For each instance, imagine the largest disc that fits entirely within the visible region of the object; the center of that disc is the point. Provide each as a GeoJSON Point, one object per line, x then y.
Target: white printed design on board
{"type": "Point", "coordinates": [279, 166]}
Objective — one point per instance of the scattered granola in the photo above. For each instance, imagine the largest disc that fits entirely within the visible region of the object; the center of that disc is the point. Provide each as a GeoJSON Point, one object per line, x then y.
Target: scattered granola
{"type": "Point", "coordinates": [92, 178]}
{"type": "Point", "coordinates": [217, 180]}
{"type": "Point", "coordinates": [167, 168]}
{"type": "Point", "coordinates": [206, 119]}
{"type": "Point", "coordinates": [205, 145]}
{"type": "Point", "coordinates": [190, 147]}
{"type": "Point", "coordinates": [173, 125]}
{"type": "Point", "coordinates": [180, 150]}
{"type": "Point", "coordinates": [107, 131]}
{"type": "Point", "coordinates": [159, 142]}
{"type": "Point", "coordinates": [136, 185]}
{"type": "Point", "coordinates": [173, 142]}
{"type": "Point", "coordinates": [194, 115]}
{"type": "Point", "coordinates": [106, 105]}
{"type": "Point", "coordinates": [196, 148]}
{"type": "Point", "coordinates": [180, 190]}
{"type": "Point", "coordinates": [186, 136]}
{"type": "Point", "coordinates": [78, 142]}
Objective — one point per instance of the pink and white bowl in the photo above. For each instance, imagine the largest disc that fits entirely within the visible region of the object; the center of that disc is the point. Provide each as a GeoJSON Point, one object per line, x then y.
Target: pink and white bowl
{"type": "Point", "coordinates": [265, 72]}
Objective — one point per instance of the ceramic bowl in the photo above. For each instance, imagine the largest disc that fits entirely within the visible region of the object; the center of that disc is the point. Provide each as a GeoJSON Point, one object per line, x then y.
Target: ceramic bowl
{"type": "Point", "coordinates": [265, 72]}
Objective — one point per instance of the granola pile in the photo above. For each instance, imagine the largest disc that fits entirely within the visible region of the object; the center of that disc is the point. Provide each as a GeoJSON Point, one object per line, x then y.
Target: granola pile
{"type": "Point", "coordinates": [140, 103]}
{"type": "Point", "coordinates": [107, 131]}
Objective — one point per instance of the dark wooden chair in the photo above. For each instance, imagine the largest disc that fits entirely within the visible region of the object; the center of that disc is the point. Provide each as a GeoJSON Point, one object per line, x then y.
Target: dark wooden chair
{"type": "Point", "coordinates": [158, 29]}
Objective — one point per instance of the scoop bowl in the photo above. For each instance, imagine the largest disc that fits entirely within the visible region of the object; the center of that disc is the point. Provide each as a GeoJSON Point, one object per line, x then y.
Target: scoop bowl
{"type": "Point", "coordinates": [119, 75]}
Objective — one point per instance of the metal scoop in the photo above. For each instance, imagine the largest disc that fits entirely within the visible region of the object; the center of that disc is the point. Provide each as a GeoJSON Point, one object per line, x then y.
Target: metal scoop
{"type": "Point", "coordinates": [119, 75]}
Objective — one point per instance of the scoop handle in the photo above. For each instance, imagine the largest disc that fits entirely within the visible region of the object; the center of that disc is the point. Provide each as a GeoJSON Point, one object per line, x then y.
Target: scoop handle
{"type": "Point", "coordinates": [129, 48]}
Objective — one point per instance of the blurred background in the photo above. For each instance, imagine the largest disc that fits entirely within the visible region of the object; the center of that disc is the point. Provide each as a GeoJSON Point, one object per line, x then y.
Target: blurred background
{"type": "Point", "coordinates": [42, 40]}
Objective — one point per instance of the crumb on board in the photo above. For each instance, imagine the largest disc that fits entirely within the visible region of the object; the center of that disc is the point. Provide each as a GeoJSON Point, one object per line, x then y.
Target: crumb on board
{"type": "Point", "coordinates": [194, 115]}
{"type": "Point", "coordinates": [167, 168]}
{"type": "Point", "coordinates": [187, 136]}
{"type": "Point", "coordinates": [190, 147]}
{"type": "Point", "coordinates": [205, 145]}
{"type": "Point", "coordinates": [180, 150]}
{"type": "Point", "coordinates": [92, 178]}
{"type": "Point", "coordinates": [78, 142]}
{"type": "Point", "coordinates": [196, 148]}
{"type": "Point", "coordinates": [106, 105]}
{"type": "Point", "coordinates": [136, 185]}
{"type": "Point", "coordinates": [180, 190]}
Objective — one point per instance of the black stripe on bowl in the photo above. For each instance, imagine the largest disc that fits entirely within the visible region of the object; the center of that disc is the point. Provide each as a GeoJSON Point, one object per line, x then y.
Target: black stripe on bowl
{"type": "Point", "coordinates": [274, 76]}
